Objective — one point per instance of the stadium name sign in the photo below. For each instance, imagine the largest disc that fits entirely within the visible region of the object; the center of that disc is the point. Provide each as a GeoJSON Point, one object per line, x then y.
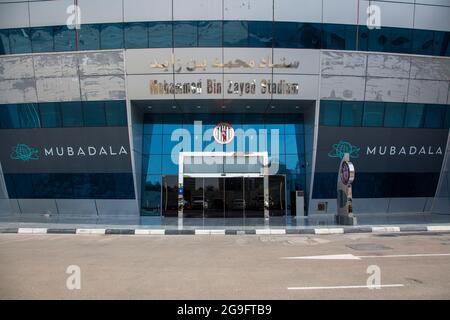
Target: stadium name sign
{"type": "Point", "coordinates": [231, 87]}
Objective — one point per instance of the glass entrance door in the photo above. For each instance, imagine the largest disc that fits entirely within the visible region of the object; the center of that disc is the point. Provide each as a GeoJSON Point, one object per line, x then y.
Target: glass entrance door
{"type": "Point", "coordinates": [214, 197]}
{"type": "Point", "coordinates": [234, 197]}
{"type": "Point", "coordinates": [254, 197]}
{"type": "Point", "coordinates": [229, 197]}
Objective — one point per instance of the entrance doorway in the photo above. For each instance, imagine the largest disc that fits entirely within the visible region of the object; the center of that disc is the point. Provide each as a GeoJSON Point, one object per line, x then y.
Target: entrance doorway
{"type": "Point", "coordinates": [237, 197]}
{"type": "Point", "coordinates": [225, 197]}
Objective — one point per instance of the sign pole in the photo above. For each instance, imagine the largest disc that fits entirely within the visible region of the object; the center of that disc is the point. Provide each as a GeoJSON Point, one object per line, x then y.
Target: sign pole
{"type": "Point", "coordinates": [346, 175]}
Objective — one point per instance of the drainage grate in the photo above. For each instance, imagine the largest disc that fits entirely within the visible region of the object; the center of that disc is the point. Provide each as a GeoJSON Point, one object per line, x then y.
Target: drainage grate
{"type": "Point", "coordinates": [367, 247]}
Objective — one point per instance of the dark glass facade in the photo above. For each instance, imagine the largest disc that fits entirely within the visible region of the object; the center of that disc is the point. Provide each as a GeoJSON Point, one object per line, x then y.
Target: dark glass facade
{"type": "Point", "coordinates": [382, 115]}
{"type": "Point", "coordinates": [104, 185]}
{"type": "Point", "coordinates": [63, 114]}
{"type": "Point", "coordinates": [258, 34]}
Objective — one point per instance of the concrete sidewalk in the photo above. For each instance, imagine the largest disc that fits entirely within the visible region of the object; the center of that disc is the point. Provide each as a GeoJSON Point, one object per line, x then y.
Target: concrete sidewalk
{"type": "Point", "coordinates": [288, 223]}
{"type": "Point", "coordinates": [369, 223]}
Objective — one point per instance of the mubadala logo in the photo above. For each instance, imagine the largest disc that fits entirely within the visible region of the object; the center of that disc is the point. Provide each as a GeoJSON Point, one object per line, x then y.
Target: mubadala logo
{"type": "Point", "coordinates": [86, 151]}
{"type": "Point", "coordinates": [342, 147]}
{"type": "Point", "coordinates": [25, 153]}
{"type": "Point", "coordinates": [403, 150]}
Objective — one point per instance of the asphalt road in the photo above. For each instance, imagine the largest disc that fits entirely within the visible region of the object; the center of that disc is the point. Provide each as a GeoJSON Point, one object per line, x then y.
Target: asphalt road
{"type": "Point", "coordinates": [415, 266]}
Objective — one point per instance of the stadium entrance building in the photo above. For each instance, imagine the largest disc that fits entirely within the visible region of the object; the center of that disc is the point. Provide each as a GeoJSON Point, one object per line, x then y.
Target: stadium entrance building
{"type": "Point", "coordinates": [215, 109]}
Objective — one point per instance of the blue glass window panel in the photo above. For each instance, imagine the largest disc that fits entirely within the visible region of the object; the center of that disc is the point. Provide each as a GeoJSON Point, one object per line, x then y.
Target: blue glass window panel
{"type": "Point", "coordinates": [253, 121]}
{"type": "Point", "coordinates": [168, 166]}
{"type": "Point", "coordinates": [50, 115]}
{"type": "Point", "coordinates": [65, 38]}
{"type": "Point", "coordinates": [23, 186]}
{"type": "Point", "coordinates": [423, 42]}
{"type": "Point", "coordinates": [235, 34]}
{"type": "Point", "coordinates": [185, 34]}
{"type": "Point", "coordinates": [111, 36]}
{"type": "Point", "coordinates": [94, 114]}
{"type": "Point", "coordinates": [401, 40]}
{"type": "Point", "coordinates": [116, 113]}
{"type": "Point", "coordinates": [296, 182]}
{"type": "Point", "coordinates": [210, 33]}
{"type": "Point", "coordinates": [151, 194]}
{"type": "Point", "coordinates": [160, 34]}
{"type": "Point", "coordinates": [152, 164]}
{"type": "Point", "coordinates": [153, 128]}
{"type": "Point", "coordinates": [62, 185]}
{"type": "Point", "coordinates": [198, 144]}
{"type": "Point", "coordinates": [9, 116]}
{"type": "Point", "coordinates": [373, 114]}
{"type": "Point", "coordinates": [89, 37]}
{"type": "Point", "coordinates": [172, 123]}
{"type": "Point", "coordinates": [415, 114]}
{"type": "Point", "coordinates": [234, 119]}
{"type": "Point", "coordinates": [82, 186]}
{"type": "Point", "coordinates": [293, 128]}
{"type": "Point", "coordinates": [136, 35]}
{"type": "Point", "coordinates": [286, 35]}
{"type": "Point", "coordinates": [260, 34]}
{"type": "Point", "coordinates": [72, 114]}
{"type": "Point", "coordinates": [310, 35]}
{"type": "Point", "coordinates": [363, 38]}
{"type": "Point", "coordinates": [20, 40]}
{"type": "Point", "coordinates": [124, 186]}
{"type": "Point", "coordinates": [103, 185]}
{"type": "Point", "coordinates": [42, 185]}
{"type": "Point", "coordinates": [447, 117]}
{"type": "Point", "coordinates": [339, 37]}
{"type": "Point", "coordinates": [330, 112]}
{"type": "Point", "coordinates": [9, 181]}
{"type": "Point", "coordinates": [394, 115]}
{"type": "Point", "coordinates": [29, 115]}
{"type": "Point", "coordinates": [275, 121]}
{"type": "Point", "coordinates": [294, 164]}
{"type": "Point", "coordinates": [152, 182]}
{"type": "Point", "coordinates": [268, 143]}
{"type": "Point", "coordinates": [379, 39]}
{"type": "Point", "coordinates": [434, 116]}
{"type": "Point", "coordinates": [4, 42]}
{"type": "Point", "coordinates": [42, 39]}
{"type": "Point", "coordinates": [190, 118]}
{"type": "Point", "coordinates": [168, 144]}
{"type": "Point", "coordinates": [441, 46]}
{"type": "Point", "coordinates": [351, 113]}
{"type": "Point", "coordinates": [277, 163]}
{"type": "Point", "coordinates": [152, 144]}
{"type": "Point", "coordinates": [295, 144]}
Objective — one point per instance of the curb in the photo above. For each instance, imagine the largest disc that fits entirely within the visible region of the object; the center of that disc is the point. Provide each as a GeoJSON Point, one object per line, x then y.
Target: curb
{"type": "Point", "coordinates": [262, 231]}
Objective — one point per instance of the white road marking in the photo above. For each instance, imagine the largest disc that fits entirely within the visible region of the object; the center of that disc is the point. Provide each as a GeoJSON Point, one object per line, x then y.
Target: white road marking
{"type": "Point", "coordinates": [325, 257]}
{"type": "Point", "coordinates": [408, 255]}
{"type": "Point", "coordinates": [348, 287]}
{"type": "Point", "coordinates": [353, 257]}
